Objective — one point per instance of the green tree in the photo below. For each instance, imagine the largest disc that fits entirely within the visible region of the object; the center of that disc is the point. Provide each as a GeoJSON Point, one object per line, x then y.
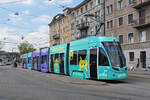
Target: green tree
{"type": "Point", "coordinates": [26, 47]}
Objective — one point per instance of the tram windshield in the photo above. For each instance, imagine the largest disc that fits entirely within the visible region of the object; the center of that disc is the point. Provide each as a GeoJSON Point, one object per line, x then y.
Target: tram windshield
{"type": "Point", "coordinates": [115, 54]}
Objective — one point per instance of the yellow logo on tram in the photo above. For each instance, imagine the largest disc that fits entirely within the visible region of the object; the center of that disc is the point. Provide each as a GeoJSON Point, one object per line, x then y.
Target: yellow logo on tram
{"type": "Point", "coordinates": [56, 62]}
{"type": "Point", "coordinates": [71, 55]}
{"type": "Point", "coordinates": [83, 64]}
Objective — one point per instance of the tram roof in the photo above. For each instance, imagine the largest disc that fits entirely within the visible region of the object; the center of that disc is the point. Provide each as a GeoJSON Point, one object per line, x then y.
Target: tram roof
{"type": "Point", "coordinates": [94, 39]}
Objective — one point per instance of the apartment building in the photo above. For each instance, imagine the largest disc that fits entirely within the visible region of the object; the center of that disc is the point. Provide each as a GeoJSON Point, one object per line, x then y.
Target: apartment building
{"type": "Point", "coordinates": [83, 26]}
{"type": "Point", "coordinates": [60, 28]}
{"type": "Point", "coordinates": [129, 20]}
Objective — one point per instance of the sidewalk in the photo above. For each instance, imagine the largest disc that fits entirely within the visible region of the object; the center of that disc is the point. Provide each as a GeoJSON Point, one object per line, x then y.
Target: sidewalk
{"type": "Point", "coordinates": [140, 74]}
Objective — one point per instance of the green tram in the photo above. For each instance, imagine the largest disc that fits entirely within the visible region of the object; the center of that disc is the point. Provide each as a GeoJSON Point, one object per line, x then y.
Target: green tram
{"type": "Point", "coordinates": [90, 58]}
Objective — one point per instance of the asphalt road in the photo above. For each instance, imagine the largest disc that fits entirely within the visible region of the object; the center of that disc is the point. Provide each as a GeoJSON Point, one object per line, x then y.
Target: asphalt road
{"type": "Point", "coordinates": [21, 84]}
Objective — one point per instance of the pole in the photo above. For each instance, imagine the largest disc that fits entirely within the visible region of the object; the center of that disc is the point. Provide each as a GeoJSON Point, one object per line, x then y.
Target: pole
{"type": "Point", "coordinates": [104, 18]}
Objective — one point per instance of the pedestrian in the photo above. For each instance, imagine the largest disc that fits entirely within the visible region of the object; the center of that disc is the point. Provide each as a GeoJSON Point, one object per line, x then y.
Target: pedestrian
{"type": "Point", "coordinates": [15, 62]}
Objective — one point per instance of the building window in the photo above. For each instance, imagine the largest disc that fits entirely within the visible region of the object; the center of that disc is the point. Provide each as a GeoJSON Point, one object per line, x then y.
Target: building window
{"type": "Point", "coordinates": [97, 13]}
{"type": "Point", "coordinates": [86, 7]}
{"type": "Point", "coordinates": [72, 15]}
{"type": "Point", "coordinates": [72, 26]}
{"type": "Point", "coordinates": [77, 22]}
{"type": "Point", "coordinates": [109, 9]}
{"type": "Point", "coordinates": [81, 10]}
{"type": "Point", "coordinates": [131, 56]}
{"type": "Point", "coordinates": [108, 25]}
{"type": "Point", "coordinates": [97, 2]}
{"type": "Point", "coordinates": [142, 36]}
{"type": "Point", "coordinates": [121, 39]}
{"type": "Point", "coordinates": [130, 19]}
{"type": "Point", "coordinates": [82, 20]}
{"type": "Point", "coordinates": [91, 5]}
{"type": "Point", "coordinates": [130, 2]}
{"type": "Point", "coordinates": [77, 12]}
{"type": "Point", "coordinates": [140, 1]}
{"type": "Point", "coordinates": [130, 38]}
{"type": "Point", "coordinates": [120, 21]}
{"type": "Point", "coordinates": [120, 4]}
{"type": "Point", "coordinates": [111, 24]}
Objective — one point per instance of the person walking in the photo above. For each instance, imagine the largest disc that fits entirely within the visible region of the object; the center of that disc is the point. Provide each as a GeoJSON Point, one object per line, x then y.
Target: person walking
{"type": "Point", "coordinates": [15, 62]}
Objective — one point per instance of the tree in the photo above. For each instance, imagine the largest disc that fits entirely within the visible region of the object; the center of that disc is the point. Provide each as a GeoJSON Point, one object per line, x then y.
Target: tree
{"type": "Point", "coordinates": [26, 47]}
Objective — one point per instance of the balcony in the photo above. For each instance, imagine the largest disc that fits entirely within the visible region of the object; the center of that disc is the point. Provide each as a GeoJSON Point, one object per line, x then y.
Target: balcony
{"type": "Point", "coordinates": [56, 36]}
{"type": "Point", "coordinates": [56, 43]}
{"type": "Point", "coordinates": [141, 3]}
{"type": "Point", "coordinates": [83, 26]}
{"type": "Point", "coordinates": [142, 22]}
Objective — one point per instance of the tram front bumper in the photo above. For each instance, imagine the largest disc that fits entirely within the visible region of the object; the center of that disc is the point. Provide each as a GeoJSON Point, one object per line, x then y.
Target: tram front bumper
{"type": "Point", "coordinates": [117, 75]}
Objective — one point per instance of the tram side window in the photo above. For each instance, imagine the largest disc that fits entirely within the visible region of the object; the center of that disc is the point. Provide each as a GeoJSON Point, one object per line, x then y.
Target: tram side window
{"type": "Point", "coordinates": [37, 58]}
{"type": "Point", "coordinates": [52, 59]}
{"type": "Point", "coordinates": [33, 61]}
{"type": "Point", "coordinates": [73, 58]}
{"type": "Point", "coordinates": [56, 60]}
{"type": "Point", "coordinates": [61, 57]}
{"type": "Point", "coordinates": [29, 59]}
{"type": "Point", "coordinates": [24, 60]}
{"type": "Point", "coordinates": [82, 55]}
{"type": "Point", "coordinates": [103, 61]}
{"type": "Point", "coordinates": [44, 59]}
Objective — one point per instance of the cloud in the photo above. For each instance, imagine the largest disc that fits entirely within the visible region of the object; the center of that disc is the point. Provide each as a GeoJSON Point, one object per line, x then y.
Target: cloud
{"type": "Point", "coordinates": [6, 1]}
{"type": "Point", "coordinates": [40, 38]}
{"type": "Point", "coordinates": [10, 38]}
{"type": "Point", "coordinates": [66, 1]}
{"type": "Point", "coordinates": [58, 1]}
{"type": "Point", "coordinates": [17, 18]}
{"type": "Point", "coordinates": [25, 2]}
{"type": "Point", "coordinates": [26, 12]}
{"type": "Point", "coordinates": [28, 2]}
{"type": "Point", "coordinates": [42, 18]}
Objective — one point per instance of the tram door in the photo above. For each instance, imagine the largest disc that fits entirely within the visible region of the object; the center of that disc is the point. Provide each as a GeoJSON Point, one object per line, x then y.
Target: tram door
{"type": "Point", "coordinates": [93, 63]}
{"type": "Point", "coordinates": [37, 63]}
{"type": "Point", "coordinates": [62, 63]}
{"type": "Point", "coordinates": [52, 63]}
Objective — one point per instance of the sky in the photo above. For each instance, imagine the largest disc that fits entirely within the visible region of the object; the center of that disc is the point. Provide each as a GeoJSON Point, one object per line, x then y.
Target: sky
{"type": "Point", "coordinates": [30, 19]}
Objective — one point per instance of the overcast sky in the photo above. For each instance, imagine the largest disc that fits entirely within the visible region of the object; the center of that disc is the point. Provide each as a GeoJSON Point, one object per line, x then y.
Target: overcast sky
{"type": "Point", "coordinates": [29, 18]}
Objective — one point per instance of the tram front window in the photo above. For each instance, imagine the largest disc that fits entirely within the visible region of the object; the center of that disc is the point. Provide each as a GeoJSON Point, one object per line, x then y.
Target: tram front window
{"type": "Point", "coordinates": [115, 54]}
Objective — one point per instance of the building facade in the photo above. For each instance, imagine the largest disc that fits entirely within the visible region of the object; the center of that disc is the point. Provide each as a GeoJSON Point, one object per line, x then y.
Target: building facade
{"type": "Point", "coordinates": [83, 26]}
{"type": "Point", "coordinates": [60, 28]}
{"type": "Point", "coordinates": [129, 20]}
